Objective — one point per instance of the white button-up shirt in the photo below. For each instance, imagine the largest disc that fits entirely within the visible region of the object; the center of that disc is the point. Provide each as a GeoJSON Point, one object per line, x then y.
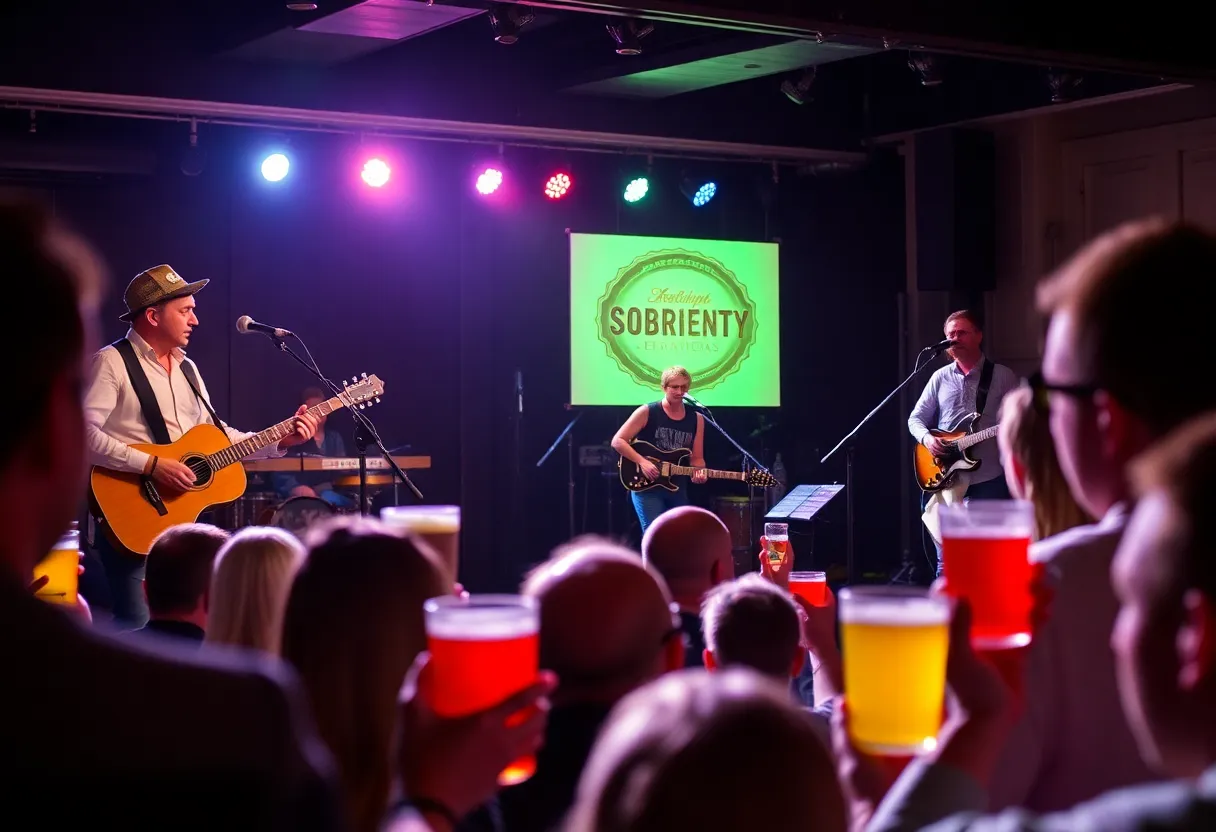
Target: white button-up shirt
{"type": "Point", "coordinates": [114, 420]}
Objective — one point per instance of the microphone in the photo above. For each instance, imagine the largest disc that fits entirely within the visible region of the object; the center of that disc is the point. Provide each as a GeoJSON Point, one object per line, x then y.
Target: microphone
{"type": "Point", "coordinates": [519, 390]}
{"type": "Point", "coordinates": [688, 399]}
{"type": "Point", "coordinates": [941, 346]}
{"type": "Point", "coordinates": [246, 325]}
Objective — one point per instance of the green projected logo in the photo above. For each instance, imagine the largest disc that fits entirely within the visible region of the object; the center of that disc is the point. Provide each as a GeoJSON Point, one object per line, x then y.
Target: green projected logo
{"type": "Point", "coordinates": [677, 307]}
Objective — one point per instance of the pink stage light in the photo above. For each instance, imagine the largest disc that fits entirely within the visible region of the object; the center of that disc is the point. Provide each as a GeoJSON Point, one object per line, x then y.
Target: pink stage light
{"type": "Point", "coordinates": [558, 185]}
{"type": "Point", "coordinates": [376, 172]}
{"type": "Point", "coordinates": [489, 181]}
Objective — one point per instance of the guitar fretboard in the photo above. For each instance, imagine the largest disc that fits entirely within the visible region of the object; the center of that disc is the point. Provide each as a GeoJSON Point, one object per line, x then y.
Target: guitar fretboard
{"type": "Point", "coordinates": [687, 471]}
{"type": "Point", "coordinates": [975, 438]}
{"type": "Point", "coordinates": [275, 433]}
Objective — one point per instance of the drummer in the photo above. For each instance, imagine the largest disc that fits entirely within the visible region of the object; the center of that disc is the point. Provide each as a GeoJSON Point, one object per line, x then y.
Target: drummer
{"type": "Point", "coordinates": [323, 443]}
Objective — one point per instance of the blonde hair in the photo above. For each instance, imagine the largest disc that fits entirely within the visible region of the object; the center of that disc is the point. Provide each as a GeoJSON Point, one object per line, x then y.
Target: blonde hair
{"type": "Point", "coordinates": [353, 626]}
{"type": "Point", "coordinates": [249, 585]}
{"type": "Point", "coordinates": [673, 373]}
{"type": "Point", "coordinates": [1025, 438]}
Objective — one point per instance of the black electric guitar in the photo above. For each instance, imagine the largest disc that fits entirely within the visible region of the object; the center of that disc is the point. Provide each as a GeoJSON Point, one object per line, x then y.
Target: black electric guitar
{"type": "Point", "coordinates": [933, 473]}
{"type": "Point", "coordinates": [675, 464]}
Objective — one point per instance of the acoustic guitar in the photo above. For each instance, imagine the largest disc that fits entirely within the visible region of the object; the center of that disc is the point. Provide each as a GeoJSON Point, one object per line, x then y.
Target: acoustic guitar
{"type": "Point", "coordinates": [933, 473]}
{"type": "Point", "coordinates": [136, 512]}
{"type": "Point", "coordinates": [674, 464]}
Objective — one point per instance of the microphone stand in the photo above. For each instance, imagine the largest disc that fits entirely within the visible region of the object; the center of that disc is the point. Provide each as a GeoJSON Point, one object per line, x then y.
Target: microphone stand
{"type": "Point", "coordinates": [848, 465]}
{"type": "Point", "coordinates": [569, 437]}
{"type": "Point", "coordinates": [365, 431]}
{"type": "Point", "coordinates": [748, 458]}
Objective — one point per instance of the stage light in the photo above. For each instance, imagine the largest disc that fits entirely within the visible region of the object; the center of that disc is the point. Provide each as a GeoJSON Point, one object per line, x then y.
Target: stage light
{"type": "Point", "coordinates": [699, 194]}
{"type": "Point", "coordinates": [558, 185]}
{"type": "Point", "coordinates": [488, 181]}
{"type": "Point", "coordinates": [376, 172]}
{"type": "Point", "coordinates": [275, 167]}
{"type": "Point", "coordinates": [637, 189]}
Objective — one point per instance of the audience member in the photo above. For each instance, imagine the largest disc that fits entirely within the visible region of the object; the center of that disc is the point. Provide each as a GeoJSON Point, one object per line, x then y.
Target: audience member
{"type": "Point", "coordinates": [1109, 399]}
{"type": "Point", "coordinates": [249, 587]}
{"type": "Point", "coordinates": [1164, 642]}
{"type": "Point", "coordinates": [714, 752]}
{"type": "Point", "coordinates": [177, 580]}
{"type": "Point", "coordinates": [352, 628]}
{"type": "Point", "coordinates": [170, 738]}
{"type": "Point", "coordinates": [1028, 455]}
{"type": "Point", "coordinates": [751, 622]}
{"type": "Point", "coordinates": [606, 627]}
{"type": "Point", "coordinates": [691, 548]}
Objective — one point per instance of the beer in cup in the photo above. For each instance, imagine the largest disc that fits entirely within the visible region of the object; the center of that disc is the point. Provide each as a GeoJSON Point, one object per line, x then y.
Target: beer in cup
{"type": "Point", "coordinates": [985, 546]}
{"type": "Point", "coordinates": [484, 649]}
{"type": "Point", "coordinates": [437, 525]}
{"type": "Point", "coordinates": [813, 586]}
{"type": "Point", "coordinates": [62, 568]}
{"type": "Point", "coordinates": [777, 540]}
{"type": "Point", "coordinates": [894, 642]}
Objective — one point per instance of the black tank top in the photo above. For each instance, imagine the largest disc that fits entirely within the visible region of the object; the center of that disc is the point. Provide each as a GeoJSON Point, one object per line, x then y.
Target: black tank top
{"type": "Point", "coordinates": [666, 433]}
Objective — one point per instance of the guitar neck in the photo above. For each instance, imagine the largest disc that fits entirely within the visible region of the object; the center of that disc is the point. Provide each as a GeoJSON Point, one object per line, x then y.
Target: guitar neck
{"type": "Point", "coordinates": [976, 438]}
{"type": "Point", "coordinates": [687, 471]}
{"type": "Point", "coordinates": [273, 434]}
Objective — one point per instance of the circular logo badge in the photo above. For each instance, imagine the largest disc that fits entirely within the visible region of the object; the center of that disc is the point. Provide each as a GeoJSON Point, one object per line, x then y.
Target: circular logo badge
{"type": "Point", "coordinates": [676, 307]}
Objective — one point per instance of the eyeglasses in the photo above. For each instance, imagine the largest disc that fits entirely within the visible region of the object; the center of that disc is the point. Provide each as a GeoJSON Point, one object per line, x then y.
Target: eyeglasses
{"type": "Point", "coordinates": [1042, 387]}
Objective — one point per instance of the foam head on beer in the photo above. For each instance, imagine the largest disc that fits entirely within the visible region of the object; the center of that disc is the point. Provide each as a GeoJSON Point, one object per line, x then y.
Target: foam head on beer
{"type": "Point", "coordinates": [894, 647]}
{"type": "Point", "coordinates": [439, 526]}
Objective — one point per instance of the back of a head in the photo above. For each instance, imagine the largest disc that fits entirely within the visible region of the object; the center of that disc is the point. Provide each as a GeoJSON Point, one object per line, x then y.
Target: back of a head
{"type": "Point", "coordinates": [1026, 432]}
{"type": "Point", "coordinates": [603, 620]}
{"type": "Point", "coordinates": [752, 623]}
{"type": "Point", "coordinates": [249, 586]}
{"type": "Point", "coordinates": [690, 547]}
{"type": "Point", "coordinates": [1183, 468]}
{"type": "Point", "coordinates": [39, 258]}
{"type": "Point", "coordinates": [692, 749]}
{"type": "Point", "coordinates": [178, 570]}
{"type": "Point", "coordinates": [1141, 276]}
{"type": "Point", "coordinates": [352, 628]}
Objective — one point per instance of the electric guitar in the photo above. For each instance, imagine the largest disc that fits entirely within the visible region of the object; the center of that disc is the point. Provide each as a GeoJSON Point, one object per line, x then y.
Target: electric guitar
{"type": "Point", "coordinates": [136, 512]}
{"type": "Point", "coordinates": [673, 464]}
{"type": "Point", "coordinates": [933, 473]}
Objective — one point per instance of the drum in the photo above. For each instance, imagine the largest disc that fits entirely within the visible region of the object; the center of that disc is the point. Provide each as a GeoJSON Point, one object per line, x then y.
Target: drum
{"type": "Point", "coordinates": [250, 509]}
{"type": "Point", "coordinates": [351, 481]}
{"type": "Point", "coordinates": [299, 513]}
{"type": "Point", "coordinates": [737, 515]}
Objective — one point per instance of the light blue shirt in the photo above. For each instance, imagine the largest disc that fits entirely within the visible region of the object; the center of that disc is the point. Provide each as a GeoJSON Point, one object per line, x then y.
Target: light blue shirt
{"type": "Point", "coordinates": [950, 395]}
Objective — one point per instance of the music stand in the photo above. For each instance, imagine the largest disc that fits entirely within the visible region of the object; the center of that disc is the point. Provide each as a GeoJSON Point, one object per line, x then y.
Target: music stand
{"type": "Point", "coordinates": [803, 502]}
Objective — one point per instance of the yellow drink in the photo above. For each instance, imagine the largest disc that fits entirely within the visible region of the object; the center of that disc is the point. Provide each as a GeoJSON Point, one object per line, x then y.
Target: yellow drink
{"type": "Point", "coordinates": [894, 645]}
{"type": "Point", "coordinates": [61, 566]}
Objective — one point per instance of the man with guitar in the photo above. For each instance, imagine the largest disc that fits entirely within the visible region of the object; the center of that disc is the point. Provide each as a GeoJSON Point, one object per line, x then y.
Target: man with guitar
{"type": "Point", "coordinates": [143, 390]}
{"type": "Point", "coordinates": [970, 384]}
{"type": "Point", "coordinates": [668, 425]}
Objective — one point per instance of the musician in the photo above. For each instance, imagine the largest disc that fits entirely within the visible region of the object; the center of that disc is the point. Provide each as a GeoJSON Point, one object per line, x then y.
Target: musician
{"type": "Point", "coordinates": [953, 392]}
{"type": "Point", "coordinates": [160, 306]}
{"type": "Point", "coordinates": [323, 443]}
{"type": "Point", "coordinates": [667, 424]}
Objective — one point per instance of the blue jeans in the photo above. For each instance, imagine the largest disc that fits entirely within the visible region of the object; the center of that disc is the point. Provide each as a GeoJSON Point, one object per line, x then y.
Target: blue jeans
{"type": "Point", "coordinates": [650, 504]}
{"type": "Point", "coordinates": [125, 576]}
{"type": "Point", "coordinates": [993, 489]}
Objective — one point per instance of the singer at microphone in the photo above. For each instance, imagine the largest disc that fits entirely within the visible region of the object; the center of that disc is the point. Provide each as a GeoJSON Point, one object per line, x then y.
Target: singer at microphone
{"type": "Point", "coordinates": [970, 384]}
{"type": "Point", "coordinates": [666, 425]}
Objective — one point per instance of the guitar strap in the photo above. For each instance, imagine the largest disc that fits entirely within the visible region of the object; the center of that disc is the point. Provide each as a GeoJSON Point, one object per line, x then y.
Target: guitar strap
{"type": "Point", "coordinates": [192, 380]}
{"type": "Point", "coordinates": [143, 391]}
{"type": "Point", "coordinates": [981, 394]}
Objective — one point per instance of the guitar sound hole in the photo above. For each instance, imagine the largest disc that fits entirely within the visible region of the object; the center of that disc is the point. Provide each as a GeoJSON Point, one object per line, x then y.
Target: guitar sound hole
{"type": "Point", "coordinates": [202, 471]}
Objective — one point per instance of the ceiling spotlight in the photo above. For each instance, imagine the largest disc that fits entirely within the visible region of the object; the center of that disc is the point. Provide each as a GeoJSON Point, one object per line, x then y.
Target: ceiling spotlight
{"type": "Point", "coordinates": [506, 21]}
{"type": "Point", "coordinates": [628, 34]}
{"type": "Point", "coordinates": [699, 193]}
{"type": "Point", "coordinates": [926, 66]}
{"type": "Point", "coordinates": [1062, 85]}
{"type": "Point", "coordinates": [797, 91]}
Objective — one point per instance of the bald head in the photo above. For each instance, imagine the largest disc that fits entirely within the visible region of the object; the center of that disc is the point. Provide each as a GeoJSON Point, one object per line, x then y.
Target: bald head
{"type": "Point", "coordinates": [691, 549]}
{"type": "Point", "coordinates": [605, 620]}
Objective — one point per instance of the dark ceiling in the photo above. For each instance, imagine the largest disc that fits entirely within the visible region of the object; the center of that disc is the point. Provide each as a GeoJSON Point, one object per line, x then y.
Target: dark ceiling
{"type": "Point", "coordinates": [440, 60]}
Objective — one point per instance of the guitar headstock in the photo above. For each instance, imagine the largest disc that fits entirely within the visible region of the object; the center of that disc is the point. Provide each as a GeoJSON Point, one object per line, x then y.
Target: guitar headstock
{"type": "Point", "coordinates": [362, 391]}
{"type": "Point", "coordinates": [759, 479]}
